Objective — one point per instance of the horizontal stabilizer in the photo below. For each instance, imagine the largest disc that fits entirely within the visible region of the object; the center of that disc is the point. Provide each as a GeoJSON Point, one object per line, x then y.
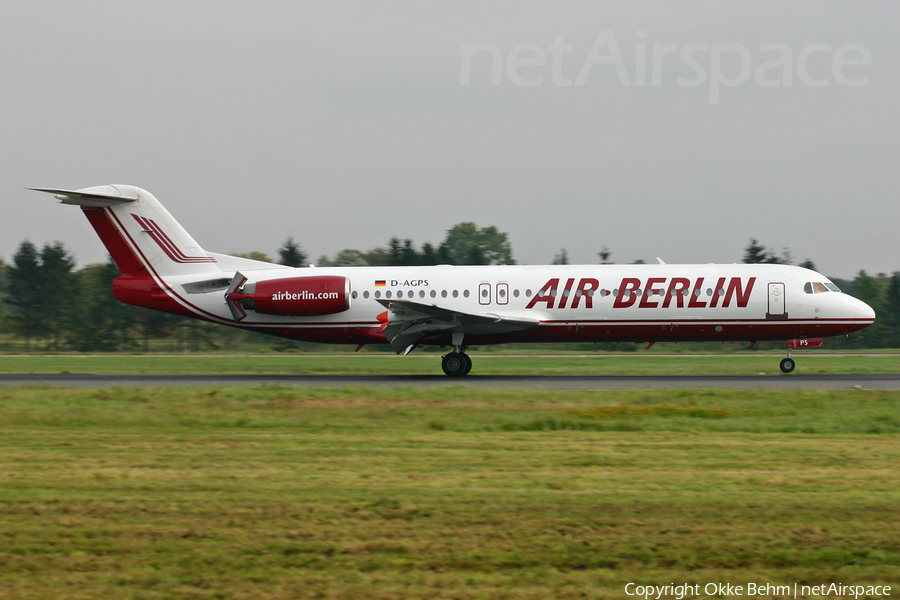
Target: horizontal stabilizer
{"type": "Point", "coordinates": [89, 197]}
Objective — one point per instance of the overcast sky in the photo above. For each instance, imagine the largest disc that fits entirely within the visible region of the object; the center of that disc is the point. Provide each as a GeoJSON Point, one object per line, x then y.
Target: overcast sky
{"type": "Point", "coordinates": [344, 124]}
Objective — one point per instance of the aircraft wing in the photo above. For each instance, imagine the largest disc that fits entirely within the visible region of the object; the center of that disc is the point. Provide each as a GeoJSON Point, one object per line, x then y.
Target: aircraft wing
{"type": "Point", "coordinates": [409, 321]}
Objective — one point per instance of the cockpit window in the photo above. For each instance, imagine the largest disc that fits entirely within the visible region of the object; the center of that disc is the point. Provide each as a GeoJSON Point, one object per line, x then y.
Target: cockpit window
{"type": "Point", "coordinates": [814, 287]}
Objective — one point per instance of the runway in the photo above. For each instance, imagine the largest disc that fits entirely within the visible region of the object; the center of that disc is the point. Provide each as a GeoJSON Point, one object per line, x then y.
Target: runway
{"type": "Point", "coordinates": [556, 382]}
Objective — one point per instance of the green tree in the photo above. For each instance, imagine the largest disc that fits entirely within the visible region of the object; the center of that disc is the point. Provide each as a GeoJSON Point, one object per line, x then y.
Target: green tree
{"type": "Point", "coordinates": [345, 258]}
{"type": "Point", "coordinates": [99, 321]}
{"type": "Point", "coordinates": [3, 287]}
{"type": "Point", "coordinates": [467, 244]}
{"type": "Point", "coordinates": [255, 255]}
{"type": "Point", "coordinates": [604, 255]}
{"type": "Point", "coordinates": [3, 268]}
{"type": "Point", "coordinates": [429, 255]}
{"type": "Point", "coordinates": [403, 253]}
{"type": "Point", "coordinates": [58, 284]}
{"type": "Point", "coordinates": [24, 283]}
{"type": "Point", "coordinates": [378, 257]}
{"type": "Point", "coordinates": [291, 255]}
{"type": "Point", "coordinates": [891, 311]}
{"type": "Point", "coordinates": [871, 291]}
{"type": "Point", "coordinates": [562, 258]}
{"type": "Point", "coordinates": [41, 292]}
{"type": "Point", "coordinates": [757, 253]}
{"type": "Point", "coordinates": [808, 264]}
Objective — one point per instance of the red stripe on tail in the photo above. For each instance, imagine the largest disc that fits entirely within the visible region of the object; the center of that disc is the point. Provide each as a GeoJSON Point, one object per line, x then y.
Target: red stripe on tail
{"type": "Point", "coordinates": [115, 243]}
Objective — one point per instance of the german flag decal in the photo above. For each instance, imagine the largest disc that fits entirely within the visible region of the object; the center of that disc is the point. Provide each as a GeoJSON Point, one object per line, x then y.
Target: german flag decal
{"type": "Point", "coordinates": [380, 283]}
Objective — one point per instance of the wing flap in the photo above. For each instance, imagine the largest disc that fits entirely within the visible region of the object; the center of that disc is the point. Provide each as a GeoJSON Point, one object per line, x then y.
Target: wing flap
{"type": "Point", "coordinates": [411, 321]}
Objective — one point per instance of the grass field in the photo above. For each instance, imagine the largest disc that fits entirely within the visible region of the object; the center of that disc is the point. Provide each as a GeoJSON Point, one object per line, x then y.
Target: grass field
{"type": "Point", "coordinates": [425, 364]}
{"type": "Point", "coordinates": [276, 492]}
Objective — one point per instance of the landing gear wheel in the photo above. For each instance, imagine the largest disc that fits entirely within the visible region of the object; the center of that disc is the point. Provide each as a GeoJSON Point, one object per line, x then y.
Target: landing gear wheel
{"type": "Point", "coordinates": [787, 365]}
{"type": "Point", "coordinates": [455, 364]}
{"type": "Point", "coordinates": [468, 364]}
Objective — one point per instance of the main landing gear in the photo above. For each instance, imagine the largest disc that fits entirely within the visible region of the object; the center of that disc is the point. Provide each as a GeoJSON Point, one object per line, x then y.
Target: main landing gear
{"type": "Point", "coordinates": [456, 364]}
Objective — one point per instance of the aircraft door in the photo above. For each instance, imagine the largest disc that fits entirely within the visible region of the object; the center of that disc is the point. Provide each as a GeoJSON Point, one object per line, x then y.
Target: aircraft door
{"type": "Point", "coordinates": [777, 308]}
{"type": "Point", "coordinates": [484, 293]}
{"type": "Point", "coordinates": [502, 293]}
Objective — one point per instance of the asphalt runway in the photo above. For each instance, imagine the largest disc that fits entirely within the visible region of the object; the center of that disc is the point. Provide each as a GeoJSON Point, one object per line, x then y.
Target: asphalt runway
{"type": "Point", "coordinates": [557, 382]}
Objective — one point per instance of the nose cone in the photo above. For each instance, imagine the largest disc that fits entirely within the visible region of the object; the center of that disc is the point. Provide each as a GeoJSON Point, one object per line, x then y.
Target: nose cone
{"type": "Point", "coordinates": [860, 311]}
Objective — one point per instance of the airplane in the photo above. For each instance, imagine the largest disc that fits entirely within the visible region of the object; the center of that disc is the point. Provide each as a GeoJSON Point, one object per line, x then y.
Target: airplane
{"type": "Point", "coordinates": [163, 268]}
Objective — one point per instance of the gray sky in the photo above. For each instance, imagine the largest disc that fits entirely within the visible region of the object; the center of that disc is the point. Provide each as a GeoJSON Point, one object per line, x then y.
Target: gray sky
{"type": "Point", "coordinates": [346, 123]}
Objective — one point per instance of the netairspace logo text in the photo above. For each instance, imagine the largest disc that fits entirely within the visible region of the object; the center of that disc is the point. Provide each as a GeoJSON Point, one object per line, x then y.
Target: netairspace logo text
{"type": "Point", "coordinates": [686, 590]}
{"type": "Point", "coordinates": [715, 65]}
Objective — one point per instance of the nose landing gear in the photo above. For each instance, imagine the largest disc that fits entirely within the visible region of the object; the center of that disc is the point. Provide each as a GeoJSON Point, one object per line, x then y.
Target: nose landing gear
{"type": "Point", "coordinates": [787, 364]}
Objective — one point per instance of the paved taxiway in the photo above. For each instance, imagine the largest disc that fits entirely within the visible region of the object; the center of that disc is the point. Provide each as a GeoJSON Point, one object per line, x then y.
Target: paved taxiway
{"type": "Point", "coordinates": [564, 382]}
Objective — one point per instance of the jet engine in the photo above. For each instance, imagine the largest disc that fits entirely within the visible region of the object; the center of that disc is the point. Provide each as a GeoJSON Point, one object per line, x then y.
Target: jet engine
{"type": "Point", "coordinates": [308, 296]}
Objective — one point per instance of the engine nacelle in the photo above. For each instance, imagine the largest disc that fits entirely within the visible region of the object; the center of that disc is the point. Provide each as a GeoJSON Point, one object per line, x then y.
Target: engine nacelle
{"type": "Point", "coordinates": [310, 296]}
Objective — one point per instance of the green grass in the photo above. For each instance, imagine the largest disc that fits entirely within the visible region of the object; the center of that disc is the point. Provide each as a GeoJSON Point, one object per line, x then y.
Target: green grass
{"type": "Point", "coordinates": [278, 492]}
{"type": "Point", "coordinates": [425, 364]}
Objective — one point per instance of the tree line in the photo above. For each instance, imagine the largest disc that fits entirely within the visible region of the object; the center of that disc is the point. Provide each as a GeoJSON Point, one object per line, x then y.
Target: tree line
{"type": "Point", "coordinates": [49, 305]}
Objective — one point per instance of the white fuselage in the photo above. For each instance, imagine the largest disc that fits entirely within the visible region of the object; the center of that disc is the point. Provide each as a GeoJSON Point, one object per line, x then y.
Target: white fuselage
{"type": "Point", "coordinates": [574, 302]}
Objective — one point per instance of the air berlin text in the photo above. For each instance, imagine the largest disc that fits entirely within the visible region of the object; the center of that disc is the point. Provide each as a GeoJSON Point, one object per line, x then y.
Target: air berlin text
{"type": "Point", "coordinates": [304, 295]}
{"type": "Point", "coordinates": [654, 292]}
